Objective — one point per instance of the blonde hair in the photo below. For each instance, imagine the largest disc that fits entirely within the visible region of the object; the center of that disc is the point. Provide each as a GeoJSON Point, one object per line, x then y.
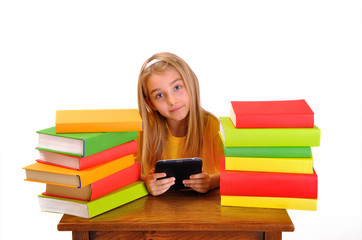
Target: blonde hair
{"type": "Point", "coordinates": [152, 139]}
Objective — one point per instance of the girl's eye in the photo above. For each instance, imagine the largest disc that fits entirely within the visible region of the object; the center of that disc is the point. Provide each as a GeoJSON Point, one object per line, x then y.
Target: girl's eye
{"type": "Point", "coordinates": [178, 87]}
{"type": "Point", "coordinates": [160, 95]}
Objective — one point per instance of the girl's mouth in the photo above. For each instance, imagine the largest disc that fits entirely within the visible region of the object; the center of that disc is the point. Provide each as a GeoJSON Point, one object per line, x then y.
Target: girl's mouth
{"type": "Point", "coordinates": [176, 109]}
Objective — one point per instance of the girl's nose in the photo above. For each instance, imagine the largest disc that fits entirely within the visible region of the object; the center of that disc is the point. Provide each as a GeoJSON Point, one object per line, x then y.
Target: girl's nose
{"type": "Point", "coordinates": [171, 99]}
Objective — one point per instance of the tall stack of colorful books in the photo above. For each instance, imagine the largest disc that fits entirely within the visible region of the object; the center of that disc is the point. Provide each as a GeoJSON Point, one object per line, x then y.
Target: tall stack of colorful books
{"type": "Point", "coordinates": [268, 160]}
{"type": "Point", "coordinates": [88, 162]}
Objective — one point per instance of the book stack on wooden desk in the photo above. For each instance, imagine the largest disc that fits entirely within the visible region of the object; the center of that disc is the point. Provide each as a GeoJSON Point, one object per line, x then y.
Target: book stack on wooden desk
{"type": "Point", "coordinates": [88, 162]}
{"type": "Point", "coordinates": [268, 160]}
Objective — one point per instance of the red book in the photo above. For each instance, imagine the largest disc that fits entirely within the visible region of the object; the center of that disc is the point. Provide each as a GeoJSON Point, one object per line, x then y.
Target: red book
{"type": "Point", "coordinates": [98, 188]}
{"type": "Point", "coordinates": [267, 184]}
{"type": "Point", "coordinates": [272, 114]}
{"type": "Point", "coordinates": [81, 163]}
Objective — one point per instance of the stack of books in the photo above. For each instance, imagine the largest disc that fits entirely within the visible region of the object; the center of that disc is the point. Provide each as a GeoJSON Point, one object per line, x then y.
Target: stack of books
{"type": "Point", "coordinates": [88, 162]}
{"type": "Point", "coordinates": [268, 160]}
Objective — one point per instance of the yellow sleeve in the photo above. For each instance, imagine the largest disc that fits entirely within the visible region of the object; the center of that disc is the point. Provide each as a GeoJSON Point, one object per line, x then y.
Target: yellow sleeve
{"type": "Point", "coordinates": [212, 148]}
{"type": "Point", "coordinates": [218, 152]}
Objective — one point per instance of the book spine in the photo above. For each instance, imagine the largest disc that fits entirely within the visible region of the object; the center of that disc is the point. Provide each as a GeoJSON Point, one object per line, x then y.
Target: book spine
{"type": "Point", "coordinates": [282, 165]}
{"type": "Point", "coordinates": [117, 198]}
{"type": "Point", "coordinates": [272, 137]}
{"type": "Point", "coordinates": [107, 140]}
{"type": "Point", "coordinates": [101, 187]}
{"type": "Point", "coordinates": [98, 127]}
{"type": "Point", "coordinates": [108, 155]}
{"type": "Point", "coordinates": [116, 181]}
{"type": "Point", "coordinates": [96, 173]}
{"type": "Point", "coordinates": [263, 184]}
{"type": "Point", "coordinates": [270, 202]}
{"type": "Point", "coordinates": [272, 114]}
{"type": "Point", "coordinates": [275, 121]}
{"type": "Point", "coordinates": [272, 152]}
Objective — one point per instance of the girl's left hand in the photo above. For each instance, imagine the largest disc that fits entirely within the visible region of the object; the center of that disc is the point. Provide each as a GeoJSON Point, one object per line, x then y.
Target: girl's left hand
{"type": "Point", "coordinates": [200, 182]}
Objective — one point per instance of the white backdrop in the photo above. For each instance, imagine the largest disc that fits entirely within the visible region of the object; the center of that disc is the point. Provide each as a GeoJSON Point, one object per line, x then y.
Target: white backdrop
{"type": "Point", "coordinates": [87, 55]}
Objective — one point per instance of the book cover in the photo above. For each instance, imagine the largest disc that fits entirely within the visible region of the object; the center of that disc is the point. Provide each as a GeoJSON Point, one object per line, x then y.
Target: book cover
{"type": "Point", "coordinates": [81, 163]}
{"type": "Point", "coordinates": [99, 188]}
{"type": "Point", "coordinates": [270, 202]}
{"type": "Point", "coordinates": [98, 120]}
{"type": "Point", "coordinates": [81, 144]}
{"type": "Point", "coordinates": [282, 165]}
{"type": "Point", "coordinates": [272, 114]}
{"type": "Point", "coordinates": [45, 173]}
{"type": "Point", "coordinates": [89, 209]}
{"type": "Point", "coordinates": [267, 137]}
{"type": "Point", "coordinates": [269, 152]}
{"type": "Point", "coordinates": [264, 184]}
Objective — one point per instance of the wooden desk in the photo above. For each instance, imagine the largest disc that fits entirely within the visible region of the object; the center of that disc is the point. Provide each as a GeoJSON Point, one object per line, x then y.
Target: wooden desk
{"type": "Point", "coordinates": [180, 215]}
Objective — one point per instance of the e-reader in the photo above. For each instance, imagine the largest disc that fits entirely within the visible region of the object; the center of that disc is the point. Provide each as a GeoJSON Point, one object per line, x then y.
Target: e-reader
{"type": "Point", "coordinates": [180, 169]}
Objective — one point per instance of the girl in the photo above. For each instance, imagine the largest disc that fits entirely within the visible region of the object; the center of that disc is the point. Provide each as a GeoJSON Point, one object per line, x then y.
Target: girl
{"type": "Point", "coordinates": [174, 124]}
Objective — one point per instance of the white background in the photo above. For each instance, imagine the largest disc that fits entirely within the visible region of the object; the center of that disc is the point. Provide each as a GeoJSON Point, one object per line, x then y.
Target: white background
{"type": "Point", "coordinates": [87, 55]}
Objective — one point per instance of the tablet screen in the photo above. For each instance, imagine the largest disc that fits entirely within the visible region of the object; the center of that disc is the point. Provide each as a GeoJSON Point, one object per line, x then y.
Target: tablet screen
{"type": "Point", "coordinates": [180, 169]}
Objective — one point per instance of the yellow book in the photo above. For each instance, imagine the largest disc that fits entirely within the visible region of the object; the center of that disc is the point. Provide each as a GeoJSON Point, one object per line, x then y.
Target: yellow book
{"type": "Point", "coordinates": [44, 173]}
{"type": "Point", "coordinates": [102, 120]}
{"type": "Point", "coordinates": [270, 202]}
{"type": "Point", "coordinates": [282, 165]}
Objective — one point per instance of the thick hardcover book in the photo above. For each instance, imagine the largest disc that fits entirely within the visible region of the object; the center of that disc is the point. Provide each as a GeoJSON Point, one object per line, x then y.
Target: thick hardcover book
{"type": "Point", "coordinates": [282, 165]}
{"type": "Point", "coordinates": [267, 137]}
{"type": "Point", "coordinates": [45, 173]}
{"type": "Point", "coordinates": [269, 152]}
{"type": "Point", "coordinates": [102, 120]}
{"type": "Point", "coordinates": [99, 188]}
{"type": "Point", "coordinates": [80, 163]}
{"type": "Point", "coordinates": [264, 184]}
{"type": "Point", "coordinates": [272, 114]}
{"type": "Point", "coordinates": [89, 209]}
{"type": "Point", "coordinates": [81, 144]}
{"type": "Point", "coordinates": [270, 202]}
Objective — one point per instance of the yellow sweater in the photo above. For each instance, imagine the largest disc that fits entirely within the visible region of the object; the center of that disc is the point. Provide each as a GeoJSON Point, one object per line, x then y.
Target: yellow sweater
{"type": "Point", "coordinates": [212, 147]}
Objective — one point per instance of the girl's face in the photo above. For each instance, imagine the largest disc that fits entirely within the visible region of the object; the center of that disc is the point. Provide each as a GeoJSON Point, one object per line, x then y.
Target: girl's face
{"type": "Point", "coordinates": [168, 95]}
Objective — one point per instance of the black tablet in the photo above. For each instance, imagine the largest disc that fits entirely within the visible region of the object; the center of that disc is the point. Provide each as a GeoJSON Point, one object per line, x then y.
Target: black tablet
{"type": "Point", "coordinates": [180, 169]}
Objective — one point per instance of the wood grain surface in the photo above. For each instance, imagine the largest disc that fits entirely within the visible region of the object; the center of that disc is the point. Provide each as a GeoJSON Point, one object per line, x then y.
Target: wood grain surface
{"type": "Point", "coordinates": [180, 215]}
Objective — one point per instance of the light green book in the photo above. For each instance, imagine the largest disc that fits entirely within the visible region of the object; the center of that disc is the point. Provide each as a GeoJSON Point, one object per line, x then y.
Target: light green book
{"type": "Point", "coordinates": [268, 152]}
{"type": "Point", "coordinates": [89, 209]}
{"type": "Point", "coordinates": [81, 144]}
{"type": "Point", "coordinates": [267, 137]}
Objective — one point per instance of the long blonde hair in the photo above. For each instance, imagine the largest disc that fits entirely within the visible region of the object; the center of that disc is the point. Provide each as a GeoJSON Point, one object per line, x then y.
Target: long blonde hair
{"type": "Point", "coordinates": [153, 138]}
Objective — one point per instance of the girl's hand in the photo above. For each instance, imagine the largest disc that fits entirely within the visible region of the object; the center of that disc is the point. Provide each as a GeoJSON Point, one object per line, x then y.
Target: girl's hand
{"type": "Point", "coordinates": [158, 187]}
{"type": "Point", "coordinates": [200, 182]}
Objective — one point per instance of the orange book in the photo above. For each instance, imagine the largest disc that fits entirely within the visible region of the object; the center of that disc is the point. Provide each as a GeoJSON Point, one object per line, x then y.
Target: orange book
{"type": "Point", "coordinates": [45, 173]}
{"type": "Point", "coordinates": [102, 120]}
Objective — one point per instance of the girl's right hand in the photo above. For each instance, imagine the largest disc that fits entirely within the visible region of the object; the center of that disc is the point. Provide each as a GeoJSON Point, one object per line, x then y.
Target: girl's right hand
{"type": "Point", "coordinates": [158, 187]}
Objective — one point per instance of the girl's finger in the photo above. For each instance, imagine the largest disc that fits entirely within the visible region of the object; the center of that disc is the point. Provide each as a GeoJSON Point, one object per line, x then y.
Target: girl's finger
{"type": "Point", "coordinates": [159, 175]}
{"type": "Point", "coordinates": [199, 175]}
{"type": "Point", "coordinates": [165, 181]}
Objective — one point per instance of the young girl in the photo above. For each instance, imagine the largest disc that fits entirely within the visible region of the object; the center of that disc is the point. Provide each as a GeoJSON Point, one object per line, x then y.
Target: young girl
{"type": "Point", "coordinates": [174, 124]}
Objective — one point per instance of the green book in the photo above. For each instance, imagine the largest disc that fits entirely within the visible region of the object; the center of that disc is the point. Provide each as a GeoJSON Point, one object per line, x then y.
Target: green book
{"type": "Point", "coordinates": [267, 137]}
{"type": "Point", "coordinates": [81, 144]}
{"type": "Point", "coordinates": [268, 152]}
{"type": "Point", "coordinates": [89, 209]}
